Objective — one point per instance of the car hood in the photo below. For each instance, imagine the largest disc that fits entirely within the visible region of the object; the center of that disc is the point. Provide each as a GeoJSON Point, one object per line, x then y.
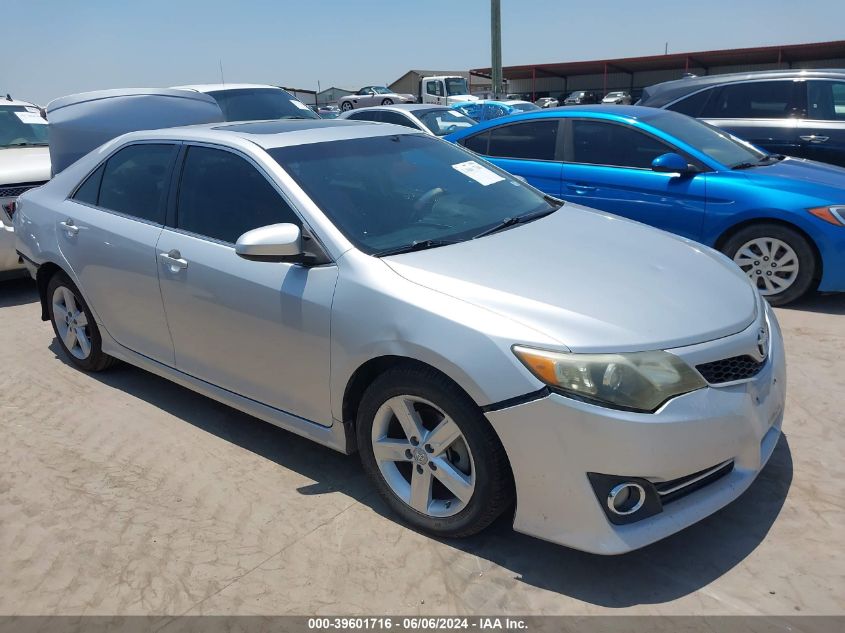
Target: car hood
{"type": "Point", "coordinates": [24, 164]}
{"type": "Point", "coordinates": [802, 176]}
{"type": "Point", "coordinates": [593, 281]}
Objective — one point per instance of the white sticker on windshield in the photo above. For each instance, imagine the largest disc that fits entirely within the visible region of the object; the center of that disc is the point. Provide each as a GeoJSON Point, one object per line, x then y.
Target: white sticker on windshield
{"type": "Point", "coordinates": [31, 118]}
{"type": "Point", "coordinates": [299, 104]}
{"type": "Point", "coordinates": [478, 172]}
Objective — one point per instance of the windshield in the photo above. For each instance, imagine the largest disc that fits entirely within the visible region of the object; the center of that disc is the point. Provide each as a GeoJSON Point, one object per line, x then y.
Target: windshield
{"type": "Point", "coordinates": [613, 94]}
{"type": "Point", "coordinates": [381, 90]}
{"type": "Point", "coordinates": [388, 191]}
{"type": "Point", "coordinates": [259, 104]}
{"type": "Point", "coordinates": [710, 140]}
{"type": "Point", "coordinates": [456, 86]}
{"type": "Point", "coordinates": [21, 126]}
{"type": "Point", "coordinates": [443, 122]}
{"type": "Point", "coordinates": [524, 107]}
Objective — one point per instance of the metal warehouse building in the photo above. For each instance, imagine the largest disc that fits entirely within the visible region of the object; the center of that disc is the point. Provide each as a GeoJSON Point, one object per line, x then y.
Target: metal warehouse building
{"type": "Point", "coordinates": [636, 73]}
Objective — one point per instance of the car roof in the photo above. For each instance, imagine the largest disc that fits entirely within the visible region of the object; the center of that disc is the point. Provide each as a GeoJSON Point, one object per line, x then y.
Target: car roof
{"type": "Point", "coordinates": [277, 132]}
{"type": "Point", "coordinates": [218, 87]}
{"type": "Point", "coordinates": [661, 94]}
{"type": "Point", "coordinates": [406, 107]}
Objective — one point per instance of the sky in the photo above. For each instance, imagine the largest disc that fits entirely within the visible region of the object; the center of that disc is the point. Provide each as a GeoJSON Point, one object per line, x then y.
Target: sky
{"type": "Point", "coordinates": [59, 47]}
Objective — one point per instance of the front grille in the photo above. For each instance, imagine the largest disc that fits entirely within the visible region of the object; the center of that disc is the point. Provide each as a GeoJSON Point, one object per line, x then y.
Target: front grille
{"type": "Point", "coordinates": [670, 491]}
{"type": "Point", "coordinates": [13, 191]}
{"type": "Point", "coordinates": [730, 369]}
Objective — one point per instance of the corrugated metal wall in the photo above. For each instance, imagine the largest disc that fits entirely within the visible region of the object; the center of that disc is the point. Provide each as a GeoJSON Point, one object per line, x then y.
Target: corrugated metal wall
{"type": "Point", "coordinates": [640, 80]}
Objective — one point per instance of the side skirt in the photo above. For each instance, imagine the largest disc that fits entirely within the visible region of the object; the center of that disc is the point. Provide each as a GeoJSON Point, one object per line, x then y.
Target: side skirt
{"type": "Point", "coordinates": [334, 436]}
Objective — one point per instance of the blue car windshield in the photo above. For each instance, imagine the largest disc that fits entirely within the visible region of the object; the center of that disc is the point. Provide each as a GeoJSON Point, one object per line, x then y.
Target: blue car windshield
{"type": "Point", "coordinates": [387, 192]}
{"type": "Point", "coordinates": [710, 140]}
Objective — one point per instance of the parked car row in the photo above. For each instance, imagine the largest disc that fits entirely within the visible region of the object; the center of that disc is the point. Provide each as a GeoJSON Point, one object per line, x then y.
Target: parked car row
{"type": "Point", "coordinates": [376, 289]}
{"type": "Point", "coordinates": [582, 97]}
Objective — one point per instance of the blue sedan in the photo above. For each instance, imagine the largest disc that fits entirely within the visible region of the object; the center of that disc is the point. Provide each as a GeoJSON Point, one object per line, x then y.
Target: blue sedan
{"type": "Point", "coordinates": [782, 220]}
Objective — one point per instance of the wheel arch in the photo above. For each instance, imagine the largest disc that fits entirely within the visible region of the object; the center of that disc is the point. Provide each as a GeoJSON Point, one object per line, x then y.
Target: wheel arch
{"type": "Point", "coordinates": [42, 279]}
{"type": "Point", "coordinates": [732, 230]}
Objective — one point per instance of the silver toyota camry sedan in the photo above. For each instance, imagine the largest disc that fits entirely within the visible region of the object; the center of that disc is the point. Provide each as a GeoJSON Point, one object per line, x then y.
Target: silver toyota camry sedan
{"type": "Point", "coordinates": [485, 348]}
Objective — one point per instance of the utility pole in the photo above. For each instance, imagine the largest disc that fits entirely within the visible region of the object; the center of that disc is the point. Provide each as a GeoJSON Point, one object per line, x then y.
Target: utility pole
{"type": "Point", "coordinates": [496, 46]}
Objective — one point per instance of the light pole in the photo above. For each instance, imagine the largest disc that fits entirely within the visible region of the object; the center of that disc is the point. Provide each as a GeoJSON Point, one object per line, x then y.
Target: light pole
{"type": "Point", "coordinates": [496, 46]}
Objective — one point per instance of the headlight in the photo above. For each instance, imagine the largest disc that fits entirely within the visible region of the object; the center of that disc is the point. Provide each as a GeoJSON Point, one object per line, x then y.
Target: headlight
{"type": "Point", "coordinates": [835, 214]}
{"type": "Point", "coordinates": [639, 381]}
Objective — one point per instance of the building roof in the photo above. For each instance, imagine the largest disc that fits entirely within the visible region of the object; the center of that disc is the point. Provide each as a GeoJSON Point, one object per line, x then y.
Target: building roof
{"type": "Point", "coordinates": [702, 59]}
{"type": "Point", "coordinates": [432, 73]}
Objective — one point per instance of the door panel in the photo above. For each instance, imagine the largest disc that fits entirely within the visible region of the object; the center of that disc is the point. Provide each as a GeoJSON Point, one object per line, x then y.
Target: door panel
{"type": "Point", "coordinates": [666, 201]}
{"type": "Point", "coordinates": [258, 329]}
{"type": "Point", "coordinates": [609, 168]}
{"type": "Point", "coordinates": [114, 259]}
{"type": "Point", "coordinates": [822, 133]}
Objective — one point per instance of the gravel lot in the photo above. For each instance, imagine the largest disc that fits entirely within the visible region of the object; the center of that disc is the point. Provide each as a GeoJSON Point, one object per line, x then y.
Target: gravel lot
{"type": "Point", "coordinates": [122, 493]}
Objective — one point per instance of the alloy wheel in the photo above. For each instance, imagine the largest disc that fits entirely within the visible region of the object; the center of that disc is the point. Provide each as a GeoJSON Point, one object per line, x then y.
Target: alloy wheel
{"type": "Point", "coordinates": [770, 263]}
{"type": "Point", "coordinates": [71, 323]}
{"type": "Point", "coordinates": [423, 456]}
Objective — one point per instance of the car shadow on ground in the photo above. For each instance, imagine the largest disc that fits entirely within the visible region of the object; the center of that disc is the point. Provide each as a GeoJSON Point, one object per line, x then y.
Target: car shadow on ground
{"type": "Point", "coordinates": [16, 292]}
{"type": "Point", "coordinates": [672, 568]}
{"type": "Point", "coordinates": [824, 303]}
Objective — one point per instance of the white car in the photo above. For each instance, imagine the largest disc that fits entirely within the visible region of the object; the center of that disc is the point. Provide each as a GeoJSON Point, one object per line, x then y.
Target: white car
{"type": "Point", "coordinates": [254, 102]}
{"type": "Point", "coordinates": [24, 164]}
{"type": "Point", "coordinates": [373, 95]}
{"type": "Point", "coordinates": [431, 119]}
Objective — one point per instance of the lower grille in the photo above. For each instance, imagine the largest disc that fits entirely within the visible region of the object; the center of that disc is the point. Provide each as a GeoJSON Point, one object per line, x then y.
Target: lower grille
{"type": "Point", "coordinates": [13, 191]}
{"type": "Point", "coordinates": [670, 491]}
{"type": "Point", "coordinates": [730, 369]}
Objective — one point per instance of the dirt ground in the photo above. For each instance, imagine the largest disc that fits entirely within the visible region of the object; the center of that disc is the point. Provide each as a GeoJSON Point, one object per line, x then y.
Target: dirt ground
{"type": "Point", "coordinates": [122, 493]}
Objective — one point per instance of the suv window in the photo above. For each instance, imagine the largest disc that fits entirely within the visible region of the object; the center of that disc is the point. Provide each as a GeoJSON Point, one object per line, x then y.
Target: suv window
{"type": "Point", "coordinates": [756, 100]}
{"type": "Point", "coordinates": [600, 143]}
{"type": "Point", "coordinates": [694, 104]}
{"type": "Point", "coordinates": [135, 181]}
{"type": "Point", "coordinates": [826, 100]}
{"type": "Point", "coordinates": [397, 119]}
{"type": "Point", "coordinates": [222, 196]}
{"type": "Point", "coordinates": [533, 140]}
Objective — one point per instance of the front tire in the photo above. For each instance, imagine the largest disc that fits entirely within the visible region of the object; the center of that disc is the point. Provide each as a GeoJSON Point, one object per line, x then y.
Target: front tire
{"type": "Point", "coordinates": [431, 453]}
{"type": "Point", "coordinates": [74, 325]}
{"type": "Point", "coordinates": [778, 260]}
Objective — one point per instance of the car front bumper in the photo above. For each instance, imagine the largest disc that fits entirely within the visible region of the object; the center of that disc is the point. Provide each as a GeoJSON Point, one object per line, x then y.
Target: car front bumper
{"type": "Point", "coordinates": [10, 261]}
{"type": "Point", "coordinates": [553, 442]}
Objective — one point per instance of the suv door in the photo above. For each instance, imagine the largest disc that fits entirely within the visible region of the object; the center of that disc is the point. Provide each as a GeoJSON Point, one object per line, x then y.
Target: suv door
{"type": "Point", "coordinates": [822, 133]}
{"type": "Point", "coordinates": [529, 149]}
{"type": "Point", "coordinates": [765, 113]}
{"type": "Point", "coordinates": [108, 234]}
{"type": "Point", "coordinates": [608, 166]}
{"type": "Point", "coordinates": [258, 329]}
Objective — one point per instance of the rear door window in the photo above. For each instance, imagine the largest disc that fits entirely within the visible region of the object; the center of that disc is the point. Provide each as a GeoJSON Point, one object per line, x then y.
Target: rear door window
{"type": "Point", "coordinates": [477, 143]}
{"type": "Point", "coordinates": [135, 181]}
{"type": "Point", "coordinates": [534, 140]}
{"type": "Point", "coordinates": [89, 191]}
{"type": "Point", "coordinates": [222, 196]}
{"type": "Point", "coordinates": [826, 100]}
{"type": "Point", "coordinates": [694, 104]}
{"type": "Point", "coordinates": [397, 119]}
{"type": "Point", "coordinates": [757, 100]}
{"type": "Point", "coordinates": [600, 143]}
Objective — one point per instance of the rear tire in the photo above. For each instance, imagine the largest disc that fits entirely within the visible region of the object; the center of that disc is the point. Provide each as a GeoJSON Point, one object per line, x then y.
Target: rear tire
{"type": "Point", "coordinates": [778, 260]}
{"type": "Point", "coordinates": [464, 455]}
{"type": "Point", "coordinates": [74, 325]}
{"type": "Point", "coordinates": [346, 106]}
{"type": "Point", "coordinates": [387, 102]}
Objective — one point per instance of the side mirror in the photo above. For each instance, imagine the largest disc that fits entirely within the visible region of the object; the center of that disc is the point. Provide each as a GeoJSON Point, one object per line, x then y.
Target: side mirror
{"type": "Point", "coordinates": [273, 243]}
{"type": "Point", "coordinates": [671, 163]}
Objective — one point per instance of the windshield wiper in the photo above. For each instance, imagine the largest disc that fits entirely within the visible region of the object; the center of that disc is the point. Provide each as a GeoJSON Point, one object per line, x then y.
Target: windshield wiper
{"type": "Point", "coordinates": [417, 245]}
{"type": "Point", "coordinates": [768, 159]}
{"type": "Point", "coordinates": [519, 219]}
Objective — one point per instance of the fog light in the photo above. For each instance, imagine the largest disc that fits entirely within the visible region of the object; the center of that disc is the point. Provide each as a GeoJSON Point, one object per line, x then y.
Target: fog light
{"type": "Point", "coordinates": [626, 498]}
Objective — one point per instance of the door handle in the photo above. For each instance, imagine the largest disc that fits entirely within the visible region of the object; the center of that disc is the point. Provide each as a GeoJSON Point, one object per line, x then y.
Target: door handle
{"type": "Point", "coordinates": [69, 227]}
{"type": "Point", "coordinates": [579, 188]}
{"type": "Point", "coordinates": [173, 260]}
{"type": "Point", "coordinates": [812, 138]}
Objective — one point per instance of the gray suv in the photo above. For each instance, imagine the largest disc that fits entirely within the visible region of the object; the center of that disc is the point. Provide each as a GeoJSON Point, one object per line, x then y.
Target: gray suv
{"type": "Point", "coordinates": [795, 112]}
